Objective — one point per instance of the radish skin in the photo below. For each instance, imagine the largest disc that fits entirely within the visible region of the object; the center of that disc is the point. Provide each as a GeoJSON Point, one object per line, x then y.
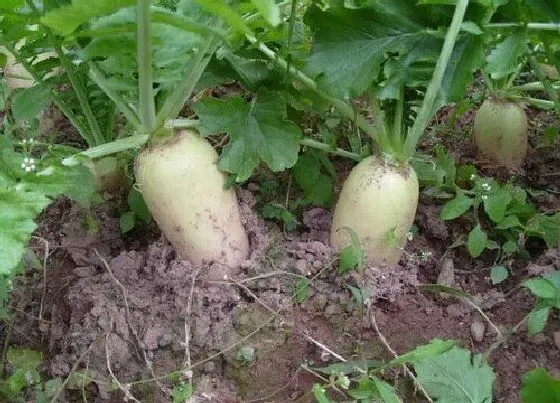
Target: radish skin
{"type": "Point", "coordinates": [378, 202]}
{"type": "Point", "coordinates": [500, 132]}
{"type": "Point", "coordinates": [185, 193]}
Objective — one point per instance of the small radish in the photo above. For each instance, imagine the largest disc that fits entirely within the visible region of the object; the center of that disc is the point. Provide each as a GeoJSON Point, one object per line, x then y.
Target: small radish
{"type": "Point", "coordinates": [186, 195]}
{"type": "Point", "coordinates": [500, 132]}
{"type": "Point", "coordinates": [378, 202]}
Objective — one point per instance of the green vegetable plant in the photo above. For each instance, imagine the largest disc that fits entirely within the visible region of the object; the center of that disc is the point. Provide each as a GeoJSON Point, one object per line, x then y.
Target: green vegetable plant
{"type": "Point", "coordinates": [547, 291]}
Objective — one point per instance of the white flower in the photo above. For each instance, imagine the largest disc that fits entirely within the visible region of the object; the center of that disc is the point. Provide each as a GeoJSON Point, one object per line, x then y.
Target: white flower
{"type": "Point", "coordinates": [484, 197]}
{"type": "Point", "coordinates": [486, 186]}
{"type": "Point", "coordinates": [28, 164]}
{"type": "Point", "coordinates": [410, 236]}
{"type": "Point", "coordinates": [473, 177]}
{"type": "Point", "coordinates": [343, 381]}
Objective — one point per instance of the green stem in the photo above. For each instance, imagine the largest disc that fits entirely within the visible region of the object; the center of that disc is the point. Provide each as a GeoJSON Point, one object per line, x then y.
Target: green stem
{"type": "Point", "coordinates": [534, 86]}
{"type": "Point", "coordinates": [536, 102]}
{"type": "Point", "coordinates": [182, 124]}
{"type": "Point", "coordinates": [110, 124]}
{"type": "Point", "coordinates": [57, 99]}
{"type": "Point", "coordinates": [145, 78]}
{"type": "Point", "coordinates": [114, 147]}
{"type": "Point", "coordinates": [327, 148]}
{"type": "Point", "coordinates": [398, 122]}
{"type": "Point", "coordinates": [537, 26]}
{"type": "Point", "coordinates": [176, 101]}
{"type": "Point", "coordinates": [99, 78]}
{"type": "Point", "coordinates": [426, 110]}
{"type": "Point", "coordinates": [546, 82]}
{"type": "Point", "coordinates": [346, 110]}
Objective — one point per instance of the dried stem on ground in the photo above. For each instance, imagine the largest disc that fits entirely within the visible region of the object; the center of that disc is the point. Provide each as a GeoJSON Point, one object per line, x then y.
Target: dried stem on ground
{"type": "Point", "coordinates": [395, 355]}
{"type": "Point", "coordinates": [72, 371]}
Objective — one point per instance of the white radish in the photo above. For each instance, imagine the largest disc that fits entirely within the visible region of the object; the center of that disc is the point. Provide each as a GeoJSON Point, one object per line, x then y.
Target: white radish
{"type": "Point", "coordinates": [186, 195]}
{"type": "Point", "coordinates": [378, 202]}
{"type": "Point", "coordinates": [500, 132]}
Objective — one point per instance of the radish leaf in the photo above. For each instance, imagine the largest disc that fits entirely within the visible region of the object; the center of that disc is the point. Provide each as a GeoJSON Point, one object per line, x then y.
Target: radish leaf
{"type": "Point", "coordinates": [539, 386]}
{"type": "Point", "coordinates": [258, 130]}
{"type": "Point", "coordinates": [504, 58]}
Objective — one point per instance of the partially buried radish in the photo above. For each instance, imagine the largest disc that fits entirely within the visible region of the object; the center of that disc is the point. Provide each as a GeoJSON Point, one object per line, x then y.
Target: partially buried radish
{"type": "Point", "coordinates": [500, 132]}
{"type": "Point", "coordinates": [186, 195]}
{"type": "Point", "coordinates": [378, 202]}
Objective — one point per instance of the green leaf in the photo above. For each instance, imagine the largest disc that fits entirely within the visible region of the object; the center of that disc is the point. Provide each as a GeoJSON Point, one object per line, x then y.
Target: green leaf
{"type": "Point", "coordinates": [316, 186]}
{"type": "Point", "coordinates": [510, 221]}
{"type": "Point", "coordinates": [24, 363]}
{"type": "Point", "coordinates": [137, 204]}
{"type": "Point", "coordinates": [269, 10]}
{"type": "Point", "coordinates": [127, 221]}
{"type": "Point", "coordinates": [320, 394]}
{"type": "Point", "coordinates": [348, 367]}
{"type": "Point", "coordinates": [361, 295]}
{"type": "Point", "coordinates": [259, 131]}
{"type": "Point", "coordinates": [352, 256]}
{"type": "Point", "coordinates": [29, 102]}
{"type": "Point", "coordinates": [301, 290]}
{"type": "Point", "coordinates": [68, 18]}
{"type": "Point", "coordinates": [505, 57]}
{"type": "Point", "coordinates": [498, 274]}
{"type": "Point", "coordinates": [536, 320]}
{"type": "Point", "coordinates": [434, 348]}
{"type": "Point", "coordinates": [349, 45]}
{"type": "Point", "coordinates": [477, 241]}
{"type": "Point", "coordinates": [385, 391]}
{"type": "Point", "coordinates": [224, 11]}
{"type": "Point", "coordinates": [540, 387]}
{"type": "Point", "coordinates": [541, 287]}
{"type": "Point", "coordinates": [510, 247]}
{"type": "Point", "coordinates": [456, 207]}
{"type": "Point", "coordinates": [547, 227]}
{"type": "Point", "coordinates": [496, 204]}
{"type": "Point", "coordinates": [456, 377]}
{"type": "Point", "coordinates": [17, 213]}
{"type": "Point", "coordinates": [182, 392]}
{"type": "Point", "coordinates": [11, 4]}
{"type": "Point", "coordinates": [366, 389]}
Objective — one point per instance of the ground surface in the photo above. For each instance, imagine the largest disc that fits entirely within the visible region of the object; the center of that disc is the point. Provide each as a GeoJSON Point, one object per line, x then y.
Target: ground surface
{"type": "Point", "coordinates": [122, 304]}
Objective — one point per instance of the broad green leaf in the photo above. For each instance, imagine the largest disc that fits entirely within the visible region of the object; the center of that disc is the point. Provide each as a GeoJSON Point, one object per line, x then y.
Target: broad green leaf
{"type": "Point", "coordinates": [456, 377]}
{"type": "Point", "coordinates": [366, 390]}
{"type": "Point", "coordinates": [320, 394]}
{"type": "Point", "coordinates": [68, 18]}
{"type": "Point", "coordinates": [456, 207]}
{"type": "Point", "coordinates": [279, 212]}
{"type": "Point", "coordinates": [541, 287]}
{"type": "Point", "coordinates": [498, 274]}
{"type": "Point", "coordinates": [352, 256]}
{"type": "Point", "coordinates": [510, 221]}
{"type": "Point", "coordinates": [258, 130]}
{"type": "Point", "coordinates": [434, 348]}
{"type": "Point", "coordinates": [137, 204]}
{"type": "Point", "coordinates": [510, 247]}
{"type": "Point", "coordinates": [505, 57]}
{"type": "Point", "coordinates": [127, 221]}
{"type": "Point", "coordinates": [477, 241]}
{"type": "Point", "coordinates": [29, 102]}
{"type": "Point", "coordinates": [316, 186]}
{"type": "Point", "coordinates": [18, 210]}
{"type": "Point", "coordinates": [536, 320]}
{"type": "Point", "coordinates": [226, 12]}
{"type": "Point", "coordinates": [349, 45]}
{"type": "Point", "coordinates": [540, 387]}
{"type": "Point", "coordinates": [496, 204]}
{"type": "Point", "coordinates": [547, 227]}
{"type": "Point", "coordinates": [386, 391]}
{"type": "Point", "coordinates": [182, 392]}
{"type": "Point", "coordinates": [269, 10]}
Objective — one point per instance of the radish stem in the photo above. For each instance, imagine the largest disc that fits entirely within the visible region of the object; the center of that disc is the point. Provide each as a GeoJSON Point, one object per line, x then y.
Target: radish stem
{"type": "Point", "coordinates": [145, 78]}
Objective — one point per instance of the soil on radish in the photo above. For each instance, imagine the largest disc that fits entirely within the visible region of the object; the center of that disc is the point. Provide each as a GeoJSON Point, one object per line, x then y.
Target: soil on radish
{"type": "Point", "coordinates": [125, 300]}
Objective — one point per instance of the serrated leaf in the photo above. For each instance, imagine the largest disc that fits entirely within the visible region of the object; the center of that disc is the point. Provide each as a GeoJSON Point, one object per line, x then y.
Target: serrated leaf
{"type": "Point", "coordinates": [68, 18]}
{"type": "Point", "coordinates": [18, 210]}
{"type": "Point", "coordinates": [510, 221]}
{"type": "Point", "coordinates": [498, 274]}
{"type": "Point", "coordinates": [127, 221]}
{"type": "Point", "coordinates": [496, 204]}
{"type": "Point", "coordinates": [547, 227]}
{"type": "Point", "coordinates": [541, 287]}
{"type": "Point", "coordinates": [182, 392]}
{"type": "Point", "coordinates": [540, 387]}
{"type": "Point", "coordinates": [301, 290]}
{"type": "Point", "coordinates": [269, 10]}
{"type": "Point", "coordinates": [477, 241]}
{"type": "Point", "coordinates": [536, 320]}
{"type": "Point", "coordinates": [259, 131]}
{"type": "Point", "coordinates": [505, 57]}
{"type": "Point", "coordinates": [349, 45]}
{"type": "Point", "coordinates": [320, 394]}
{"type": "Point", "coordinates": [456, 377]}
{"type": "Point", "coordinates": [224, 11]}
{"type": "Point", "coordinates": [29, 102]}
{"type": "Point", "coordinates": [316, 186]}
{"type": "Point", "coordinates": [385, 391]}
{"type": "Point", "coordinates": [456, 207]}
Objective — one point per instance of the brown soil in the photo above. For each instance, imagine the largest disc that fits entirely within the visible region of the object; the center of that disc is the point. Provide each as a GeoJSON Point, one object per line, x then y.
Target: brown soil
{"type": "Point", "coordinates": [125, 305]}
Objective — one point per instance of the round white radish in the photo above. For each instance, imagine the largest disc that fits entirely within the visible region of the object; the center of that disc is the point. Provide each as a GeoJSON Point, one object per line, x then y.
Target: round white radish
{"type": "Point", "coordinates": [378, 203]}
{"type": "Point", "coordinates": [186, 195]}
{"type": "Point", "coordinates": [500, 132]}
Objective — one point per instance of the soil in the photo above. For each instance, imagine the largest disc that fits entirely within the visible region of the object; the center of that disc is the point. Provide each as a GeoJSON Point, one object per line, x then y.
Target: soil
{"type": "Point", "coordinates": [130, 315]}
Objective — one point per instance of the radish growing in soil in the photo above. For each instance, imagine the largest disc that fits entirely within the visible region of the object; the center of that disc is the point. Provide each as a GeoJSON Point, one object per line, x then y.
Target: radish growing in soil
{"type": "Point", "coordinates": [186, 195]}
{"type": "Point", "coordinates": [500, 132]}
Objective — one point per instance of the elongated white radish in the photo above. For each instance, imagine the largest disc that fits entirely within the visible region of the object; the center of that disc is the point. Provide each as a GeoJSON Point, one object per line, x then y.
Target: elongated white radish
{"type": "Point", "coordinates": [185, 193]}
{"type": "Point", "coordinates": [378, 202]}
{"type": "Point", "coordinates": [500, 132]}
